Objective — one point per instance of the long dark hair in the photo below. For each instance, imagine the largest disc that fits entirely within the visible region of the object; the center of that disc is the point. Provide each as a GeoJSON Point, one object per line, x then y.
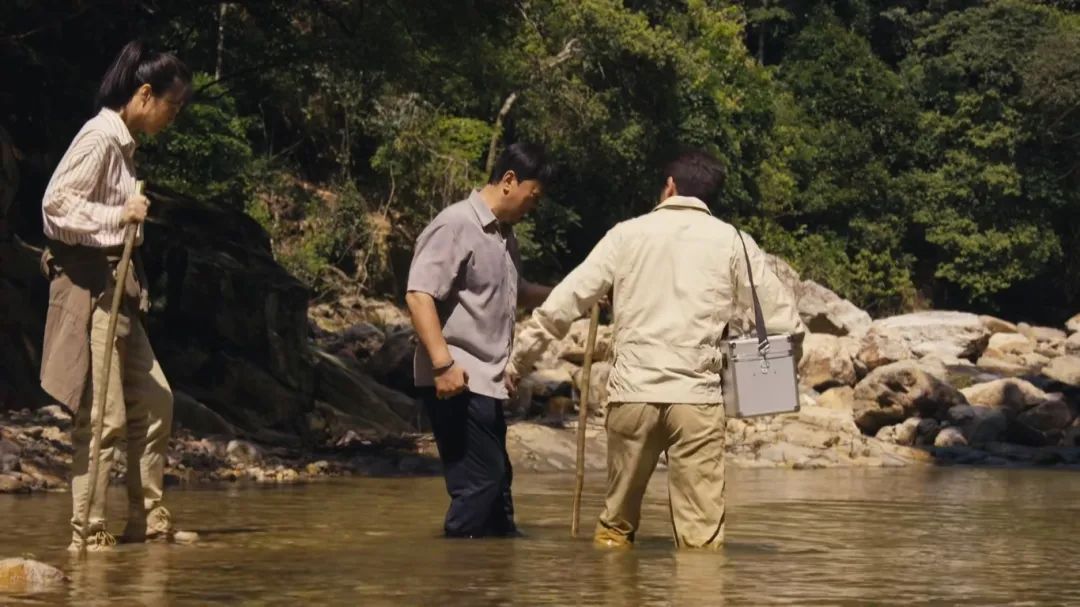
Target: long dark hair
{"type": "Point", "coordinates": [136, 66]}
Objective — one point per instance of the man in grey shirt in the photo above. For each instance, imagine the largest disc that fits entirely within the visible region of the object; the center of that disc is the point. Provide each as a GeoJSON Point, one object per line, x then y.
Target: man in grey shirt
{"type": "Point", "coordinates": [464, 289]}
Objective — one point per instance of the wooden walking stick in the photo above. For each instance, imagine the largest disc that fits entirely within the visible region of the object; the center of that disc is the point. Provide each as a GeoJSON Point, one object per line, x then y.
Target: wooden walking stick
{"type": "Point", "coordinates": [583, 416]}
{"type": "Point", "coordinates": [103, 388]}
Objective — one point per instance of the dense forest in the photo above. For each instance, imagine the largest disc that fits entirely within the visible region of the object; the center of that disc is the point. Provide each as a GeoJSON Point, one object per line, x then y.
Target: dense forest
{"type": "Point", "coordinates": [908, 154]}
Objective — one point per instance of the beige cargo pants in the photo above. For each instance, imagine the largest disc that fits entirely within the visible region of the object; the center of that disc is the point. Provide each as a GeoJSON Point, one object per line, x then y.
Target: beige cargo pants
{"type": "Point", "coordinates": [139, 406]}
{"type": "Point", "coordinates": [693, 436]}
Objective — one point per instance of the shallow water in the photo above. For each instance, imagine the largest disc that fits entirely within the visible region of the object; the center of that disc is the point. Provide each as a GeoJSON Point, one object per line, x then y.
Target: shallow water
{"type": "Point", "coordinates": [824, 537]}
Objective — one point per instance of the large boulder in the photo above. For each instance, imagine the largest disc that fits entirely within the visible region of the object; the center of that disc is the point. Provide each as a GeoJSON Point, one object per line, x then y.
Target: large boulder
{"type": "Point", "coordinates": [348, 389]}
{"type": "Point", "coordinates": [198, 418]}
{"type": "Point", "coordinates": [997, 325]}
{"type": "Point", "coordinates": [392, 364]}
{"type": "Point", "coordinates": [1005, 368]}
{"type": "Point", "coordinates": [1011, 395]}
{"type": "Point", "coordinates": [880, 347]}
{"type": "Point", "coordinates": [941, 333]}
{"type": "Point", "coordinates": [893, 393]}
{"type": "Point", "coordinates": [1049, 341]}
{"type": "Point", "coordinates": [1065, 369]}
{"type": "Point", "coordinates": [1009, 346]}
{"type": "Point", "coordinates": [826, 312]}
{"type": "Point", "coordinates": [1043, 424]}
{"type": "Point", "coordinates": [827, 361]}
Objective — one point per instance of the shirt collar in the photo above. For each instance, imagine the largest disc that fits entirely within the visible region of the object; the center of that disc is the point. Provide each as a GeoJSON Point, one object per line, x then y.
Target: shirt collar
{"type": "Point", "coordinates": [118, 128]}
{"type": "Point", "coordinates": [683, 202]}
{"type": "Point", "coordinates": [483, 212]}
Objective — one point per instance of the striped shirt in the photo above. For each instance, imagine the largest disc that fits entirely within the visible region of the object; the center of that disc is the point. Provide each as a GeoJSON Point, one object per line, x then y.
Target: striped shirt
{"type": "Point", "coordinates": [84, 201]}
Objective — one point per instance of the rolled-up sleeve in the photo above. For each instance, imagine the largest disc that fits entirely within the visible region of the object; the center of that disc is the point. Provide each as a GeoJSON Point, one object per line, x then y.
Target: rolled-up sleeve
{"type": "Point", "coordinates": [437, 260]}
{"type": "Point", "coordinates": [568, 301]}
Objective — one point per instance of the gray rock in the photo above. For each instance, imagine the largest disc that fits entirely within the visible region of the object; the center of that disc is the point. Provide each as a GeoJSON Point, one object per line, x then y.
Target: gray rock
{"type": "Point", "coordinates": [841, 398]}
{"type": "Point", "coordinates": [353, 391]}
{"type": "Point", "coordinates": [880, 347]}
{"type": "Point", "coordinates": [1073, 324]}
{"type": "Point", "coordinates": [893, 393]}
{"type": "Point", "coordinates": [826, 312]}
{"type": "Point", "coordinates": [826, 362]}
{"type": "Point", "coordinates": [244, 452]}
{"type": "Point", "coordinates": [900, 434]}
{"type": "Point", "coordinates": [980, 425]}
{"type": "Point", "coordinates": [197, 417]}
{"type": "Point", "coordinates": [1049, 342]}
{"type": "Point", "coordinates": [927, 431]}
{"type": "Point", "coordinates": [1008, 346]}
{"type": "Point", "coordinates": [1071, 437]}
{"type": "Point", "coordinates": [950, 437]}
{"type": "Point", "coordinates": [54, 414]}
{"type": "Point", "coordinates": [1002, 367]}
{"type": "Point", "coordinates": [1048, 417]}
{"type": "Point", "coordinates": [18, 575]}
{"type": "Point", "coordinates": [1011, 394]}
{"type": "Point", "coordinates": [997, 325]}
{"type": "Point", "coordinates": [546, 383]}
{"type": "Point", "coordinates": [786, 454]}
{"type": "Point", "coordinates": [1072, 345]}
{"type": "Point", "coordinates": [1065, 369]}
{"type": "Point", "coordinates": [947, 334]}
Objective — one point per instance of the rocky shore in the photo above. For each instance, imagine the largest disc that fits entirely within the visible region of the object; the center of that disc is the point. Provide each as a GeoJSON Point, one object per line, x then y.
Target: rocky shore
{"type": "Point", "coordinates": [271, 388]}
{"type": "Point", "coordinates": [924, 388]}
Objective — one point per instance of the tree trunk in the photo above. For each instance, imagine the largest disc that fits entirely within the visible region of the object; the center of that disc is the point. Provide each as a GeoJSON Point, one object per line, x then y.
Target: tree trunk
{"type": "Point", "coordinates": [223, 8]}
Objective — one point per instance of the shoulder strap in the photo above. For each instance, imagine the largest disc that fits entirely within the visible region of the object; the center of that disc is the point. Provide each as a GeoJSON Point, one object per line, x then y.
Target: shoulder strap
{"type": "Point", "coordinates": [759, 318]}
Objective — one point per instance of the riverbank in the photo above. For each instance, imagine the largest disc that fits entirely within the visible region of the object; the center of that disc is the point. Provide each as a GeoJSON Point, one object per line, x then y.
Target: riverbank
{"type": "Point", "coordinates": [35, 451]}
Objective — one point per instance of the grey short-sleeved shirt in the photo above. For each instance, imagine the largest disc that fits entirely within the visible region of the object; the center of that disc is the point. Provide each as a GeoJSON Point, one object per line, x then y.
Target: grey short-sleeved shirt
{"type": "Point", "coordinates": [470, 264]}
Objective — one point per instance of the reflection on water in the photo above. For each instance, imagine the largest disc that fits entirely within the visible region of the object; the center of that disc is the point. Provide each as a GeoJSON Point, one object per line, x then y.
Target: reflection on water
{"type": "Point", "coordinates": [827, 537]}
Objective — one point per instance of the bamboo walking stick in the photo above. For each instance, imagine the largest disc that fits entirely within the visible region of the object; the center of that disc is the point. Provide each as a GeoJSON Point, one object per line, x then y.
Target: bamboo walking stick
{"type": "Point", "coordinates": [583, 416]}
{"type": "Point", "coordinates": [103, 388]}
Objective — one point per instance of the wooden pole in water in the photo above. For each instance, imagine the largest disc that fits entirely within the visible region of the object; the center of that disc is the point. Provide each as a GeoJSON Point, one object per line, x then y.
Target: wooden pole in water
{"type": "Point", "coordinates": [583, 416]}
{"type": "Point", "coordinates": [103, 387]}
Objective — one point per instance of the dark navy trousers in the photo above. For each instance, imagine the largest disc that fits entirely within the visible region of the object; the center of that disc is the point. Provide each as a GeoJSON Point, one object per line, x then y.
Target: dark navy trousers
{"type": "Point", "coordinates": [470, 431]}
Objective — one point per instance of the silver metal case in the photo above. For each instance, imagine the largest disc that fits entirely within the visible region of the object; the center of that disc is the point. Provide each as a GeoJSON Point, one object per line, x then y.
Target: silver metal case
{"type": "Point", "coordinates": [757, 385]}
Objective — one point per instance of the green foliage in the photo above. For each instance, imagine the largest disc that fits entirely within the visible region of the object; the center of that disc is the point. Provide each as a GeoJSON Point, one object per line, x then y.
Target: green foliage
{"type": "Point", "coordinates": [207, 152]}
{"type": "Point", "coordinates": [904, 154]}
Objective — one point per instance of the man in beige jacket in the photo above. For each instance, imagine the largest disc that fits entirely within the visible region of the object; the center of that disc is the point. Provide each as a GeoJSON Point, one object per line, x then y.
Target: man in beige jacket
{"type": "Point", "coordinates": [679, 278]}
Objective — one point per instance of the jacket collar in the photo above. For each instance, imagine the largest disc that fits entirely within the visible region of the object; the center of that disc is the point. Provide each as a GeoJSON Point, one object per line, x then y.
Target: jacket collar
{"type": "Point", "coordinates": [683, 202]}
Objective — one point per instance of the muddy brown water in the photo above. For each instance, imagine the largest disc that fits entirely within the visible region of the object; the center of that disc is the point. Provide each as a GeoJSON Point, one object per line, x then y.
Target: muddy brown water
{"type": "Point", "coordinates": [911, 536]}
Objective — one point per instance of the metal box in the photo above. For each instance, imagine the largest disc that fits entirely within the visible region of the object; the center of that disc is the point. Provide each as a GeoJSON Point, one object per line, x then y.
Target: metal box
{"type": "Point", "coordinates": [756, 384]}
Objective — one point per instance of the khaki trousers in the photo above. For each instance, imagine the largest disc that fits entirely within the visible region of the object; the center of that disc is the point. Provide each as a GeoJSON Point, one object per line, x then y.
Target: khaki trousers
{"type": "Point", "coordinates": [693, 436]}
{"type": "Point", "coordinates": [139, 407]}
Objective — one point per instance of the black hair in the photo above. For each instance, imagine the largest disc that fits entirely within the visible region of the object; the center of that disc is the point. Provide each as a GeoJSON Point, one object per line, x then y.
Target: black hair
{"type": "Point", "coordinates": [526, 160]}
{"type": "Point", "coordinates": [697, 174]}
{"type": "Point", "coordinates": [136, 66]}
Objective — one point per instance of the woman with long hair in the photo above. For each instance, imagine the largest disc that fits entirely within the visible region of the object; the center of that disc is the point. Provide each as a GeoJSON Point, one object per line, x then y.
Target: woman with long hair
{"type": "Point", "coordinates": [88, 204]}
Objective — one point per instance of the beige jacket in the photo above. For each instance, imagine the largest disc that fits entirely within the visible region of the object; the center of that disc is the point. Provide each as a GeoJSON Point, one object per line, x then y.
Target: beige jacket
{"type": "Point", "coordinates": [679, 278]}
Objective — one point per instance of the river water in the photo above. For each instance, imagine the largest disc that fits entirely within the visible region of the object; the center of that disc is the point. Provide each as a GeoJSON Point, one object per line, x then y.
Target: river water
{"type": "Point", "coordinates": [911, 536]}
